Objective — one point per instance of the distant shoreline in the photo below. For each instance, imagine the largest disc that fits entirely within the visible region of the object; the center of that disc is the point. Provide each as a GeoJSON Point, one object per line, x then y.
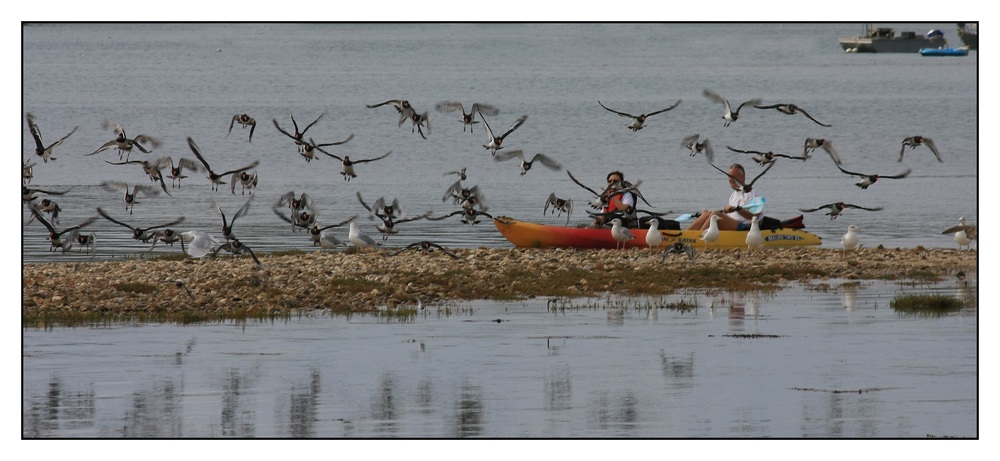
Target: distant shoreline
{"type": "Point", "coordinates": [235, 288]}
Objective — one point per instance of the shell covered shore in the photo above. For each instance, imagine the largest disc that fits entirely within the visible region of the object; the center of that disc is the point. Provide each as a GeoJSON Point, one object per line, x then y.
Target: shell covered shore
{"type": "Point", "coordinates": [175, 289]}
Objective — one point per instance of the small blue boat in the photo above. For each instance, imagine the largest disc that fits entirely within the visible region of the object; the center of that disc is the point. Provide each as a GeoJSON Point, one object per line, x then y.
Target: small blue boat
{"type": "Point", "coordinates": [963, 51]}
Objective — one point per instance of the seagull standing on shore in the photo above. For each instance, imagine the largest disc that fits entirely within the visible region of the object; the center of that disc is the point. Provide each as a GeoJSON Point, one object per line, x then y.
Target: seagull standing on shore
{"type": "Point", "coordinates": [964, 233]}
{"type": "Point", "coordinates": [850, 239]}
{"type": "Point", "coordinates": [359, 239]}
{"type": "Point", "coordinates": [754, 238]}
{"type": "Point", "coordinates": [620, 233]}
{"type": "Point", "coordinates": [653, 237]}
{"type": "Point", "coordinates": [711, 235]}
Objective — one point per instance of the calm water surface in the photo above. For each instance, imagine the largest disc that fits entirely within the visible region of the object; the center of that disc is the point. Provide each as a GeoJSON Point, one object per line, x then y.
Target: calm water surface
{"type": "Point", "coordinates": [830, 360]}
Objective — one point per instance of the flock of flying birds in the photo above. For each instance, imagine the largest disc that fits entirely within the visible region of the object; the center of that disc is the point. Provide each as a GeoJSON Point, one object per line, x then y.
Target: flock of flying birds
{"type": "Point", "coordinates": [299, 211]}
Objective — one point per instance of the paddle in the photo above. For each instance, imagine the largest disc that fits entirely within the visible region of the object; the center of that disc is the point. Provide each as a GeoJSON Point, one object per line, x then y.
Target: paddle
{"type": "Point", "coordinates": [755, 206]}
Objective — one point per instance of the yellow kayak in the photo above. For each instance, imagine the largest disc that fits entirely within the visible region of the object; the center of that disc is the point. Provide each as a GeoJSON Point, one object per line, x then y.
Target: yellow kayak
{"type": "Point", "coordinates": [532, 235]}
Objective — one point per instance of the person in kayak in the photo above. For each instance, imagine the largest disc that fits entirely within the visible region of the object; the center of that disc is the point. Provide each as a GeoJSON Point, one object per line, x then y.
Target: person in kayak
{"type": "Point", "coordinates": [732, 217]}
{"type": "Point", "coordinates": [614, 198]}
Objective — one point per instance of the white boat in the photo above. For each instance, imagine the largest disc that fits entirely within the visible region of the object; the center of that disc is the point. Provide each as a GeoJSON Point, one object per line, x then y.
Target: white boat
{"type": "Point", "coordinates": [885, 40]}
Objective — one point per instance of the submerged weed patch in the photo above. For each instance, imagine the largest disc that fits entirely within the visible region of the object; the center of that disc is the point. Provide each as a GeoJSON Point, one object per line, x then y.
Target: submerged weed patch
{"type": "Point", "coordinates": [925, 304]}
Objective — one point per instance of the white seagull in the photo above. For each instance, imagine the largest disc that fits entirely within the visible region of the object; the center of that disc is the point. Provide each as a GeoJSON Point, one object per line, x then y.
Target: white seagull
{"type": "Point", "coordinates": [754, 238]}
{"type": "Point", "coordinates": [964, 233]}
{"type": "Point", "coordinates": [620, 233]}
{"type": "Point", "coordinates": [359, 239]}
{"type": "Point", "coordinates": [653, 237]}
{"type": "Point", "coordinates": [711, 235]}
{"type": "Point", "coordinates": [850, 239]}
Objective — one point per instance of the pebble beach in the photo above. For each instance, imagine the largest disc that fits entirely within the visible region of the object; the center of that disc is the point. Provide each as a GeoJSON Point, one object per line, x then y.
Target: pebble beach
{"type": "Point", "coordinates": [175, 289]}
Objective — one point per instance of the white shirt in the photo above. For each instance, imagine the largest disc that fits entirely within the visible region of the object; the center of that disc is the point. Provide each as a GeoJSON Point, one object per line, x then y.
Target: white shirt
{"type": "Point", "coordinates": [740, 198]}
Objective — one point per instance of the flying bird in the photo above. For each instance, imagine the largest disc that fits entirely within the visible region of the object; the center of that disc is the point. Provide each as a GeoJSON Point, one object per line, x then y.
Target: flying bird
{"type": "Point", "coordinates": [468, 119]}
{"type": "Point", "coordinates": [237, 247]}
{"type": "Point", "coordinates": [496, 142]}
{"type": "Point", "coordinates": [246, 121]}
{"type": "Point", "coordinates": [216, 178]}
{"type": "Point", "coordinates": [56, 239]}
{"type": "Point", "coordinates": [247, 180]}
{"type": "Point", "coordinates": [402, 106]}
{"type": "Point", "coordinates": [131, 197]}
{"type": "Point", "coordinates": [791, 109]}
{"type": "Point", "coordinates": [41, 150]}
{"type": "Point", "coordinates": [420, 121]}
{"type": "Point", "coordinates": [730, 116]}
{"type": "Point", "coordinates": [308, 149]}
{"type": "Point", "coordinates": [424, 246]}
{"type": "Point", "coordinates": [638, 120]}
{"type": "Point", "coordinates": [836, 208]}
{"type": "Point", "coordinates": [139, 233]}
{"type": "Point", "coordinates": [227, 226]}
{"type": "Point", "coordinates": [461, 174]}
{"type": "Point", "coordinates": [545, 160]}
{"type": "Point", "coordinates": [151, 168]}
{"type": "Point", "coordinates": [914, 141]}
{"type": "Point", "coordinates": [177, 172]}
{"type": "Point", "coordinates": [124, 144]}
{"type": "Point", "coordinates": [763, 158]}
{"type": "Point", "coordinates": [691, 143]}
{"type": "Point", "coordinates": [348, 171]}
{"type": "Point", "coordinates": [812, 144]}
{"type": "Point", "coordinates": [559, 205]}
{"type": "Point", "coordinates": [299, 136]}
{"type": "Point", "coordinates": [869, 179]}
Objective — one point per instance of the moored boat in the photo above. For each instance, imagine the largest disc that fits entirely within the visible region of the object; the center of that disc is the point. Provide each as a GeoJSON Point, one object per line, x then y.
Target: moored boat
{"type": "Point", "coordinates": [963, 51]}
{"type": "Point", "coordinates": [885, 40]}
{"type": "Point", "coordinates": [525, 234]}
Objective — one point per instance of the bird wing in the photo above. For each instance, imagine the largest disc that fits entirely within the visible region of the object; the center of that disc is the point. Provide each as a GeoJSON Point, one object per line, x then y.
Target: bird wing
{"type": "Point", "coordinates": [363, 202]}
{"type": "Point", "coordinates": [690, 141]}
{"type": "Point", "coordinates": [489, 131]}
{"type": "Point", "coordinates": [733, 177]}
{"type": "Point", "coordinates": [372, 159]}
{"type": "Point", "coordinates": [60, 141]}
{"type": "Point", "coordinates": [197, 153]}
{"type": "Point", "coordinates": [231, 123]}
{"type": "Point", "coordinates": [485, 108]}
{"type": "Point", "coordinates": [501, 156]}
{"type": "Point", "coordinates": [248, 166]}
{"type": "Point", "coordinates": [793, 157]}
{"type": "Point", "coordinates": [899, 176]}
{"type": "Point", "coordinates": [746, 151]}
{"type": "Point", "coordinates": [449, 106]}
{"type": "Point", "coordinates": [391, 101]}
{"type": "Point", "coordinates": [282, 130]}
{"type": "Point", "coordinates": [715, 97]}
{"type": "Point", "coordinates": [109, 218]}
{"type": "Point", "coordinates": [514, 125]}
{"type": "Point", "coordinates": [114, 186]}
{"type": "Point", "coordinates": [311, 124]}
{"type": "Point", "coordinates": [453, 213]}
{"type": "Point", "coordinates": [334, 143]}
{"type": "Point", "coordinates": [810, 117]}
{"type": "Point", "coordinates": [35, 132]}
{"type": "Point", "coordinates": [828, 147]}
{"type": "Point", "coordinates": [930, 144]}
{"type": "Point", "coordinates": [769, 166]}
{"type": "Point", "coordinates": [848, 205]}
{"type": "Point", "coordinates": [623, 114]}
{"type": "Point", "coordinates": [104, 147]}
{"type": "Point", "coordinates": [664, 110]}
{"type": "Point", "coordinates": [850, 172]}
{"type": "Point", "coordinates": [592, 191]}
{"type": "Point", "coordinates": [772, 106]}
{"type": "Point", "coordinates": [752, 102]}
{"type": "Point", "coordinates": [547, 162]}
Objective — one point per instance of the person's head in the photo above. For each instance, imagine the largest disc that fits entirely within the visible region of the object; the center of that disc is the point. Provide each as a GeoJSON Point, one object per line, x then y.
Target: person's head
{"type": "Point", "coordinates": [736, 171]}
{"type": "Point", "coordinates": [615, 176]}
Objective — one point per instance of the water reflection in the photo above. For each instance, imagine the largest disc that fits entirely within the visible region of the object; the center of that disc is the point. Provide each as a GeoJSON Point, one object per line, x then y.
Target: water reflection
{"type": "Point", "coordinates": [782, 364]}
{"type": "Point", "coordinates": [468, 421]}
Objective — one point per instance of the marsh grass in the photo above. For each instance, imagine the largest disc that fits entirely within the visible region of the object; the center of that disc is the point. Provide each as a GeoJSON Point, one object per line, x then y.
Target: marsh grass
{"type": "Point", "coordinates": [925, 304]}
